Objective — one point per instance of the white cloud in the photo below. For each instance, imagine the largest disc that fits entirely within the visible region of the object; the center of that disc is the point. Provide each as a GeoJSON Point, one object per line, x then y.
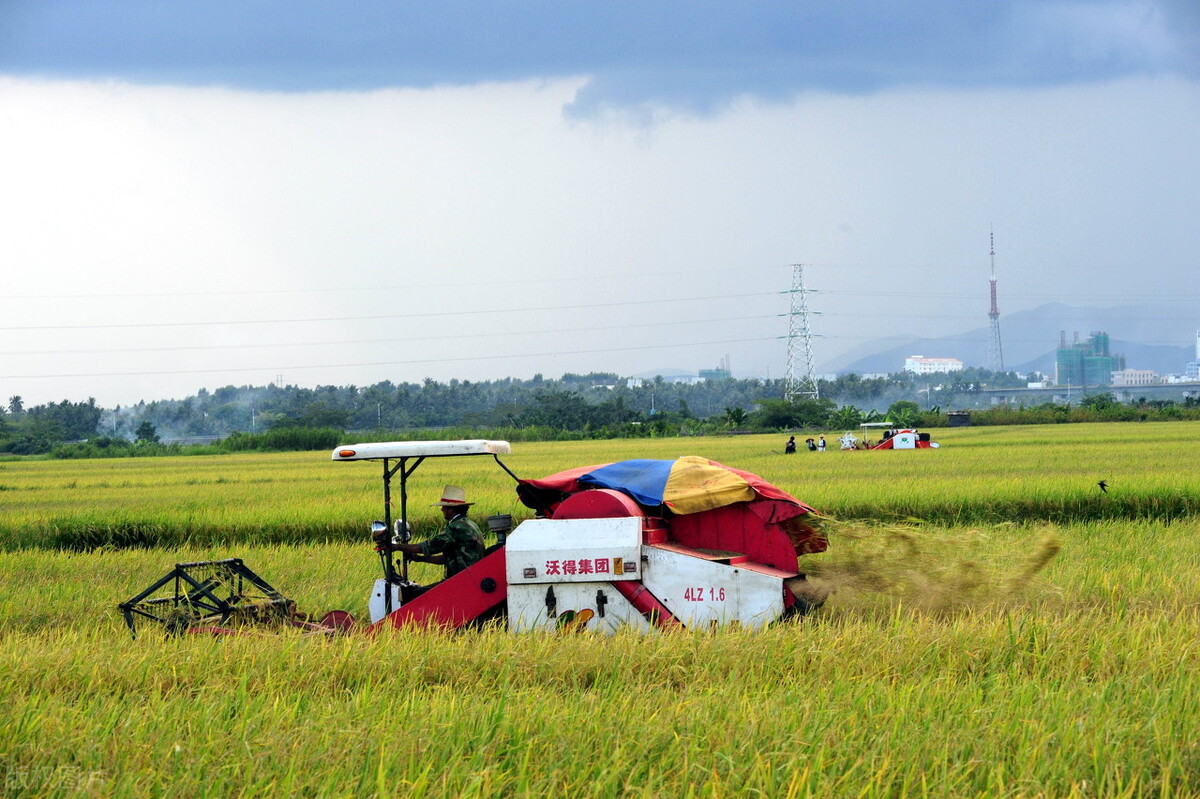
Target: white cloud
{"type": "Point", "coordinates": [131, 205]}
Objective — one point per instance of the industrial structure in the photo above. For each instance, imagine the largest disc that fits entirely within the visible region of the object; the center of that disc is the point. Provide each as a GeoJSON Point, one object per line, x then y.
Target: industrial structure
{"type": "Point", "coordinates": [995, 350]}
{"type": "Point", "coordinates": [799, 335]}
{"type": "Point", "coordinates": [1086, 363]}
{"type": "Point", "coordinates": [722, 372]}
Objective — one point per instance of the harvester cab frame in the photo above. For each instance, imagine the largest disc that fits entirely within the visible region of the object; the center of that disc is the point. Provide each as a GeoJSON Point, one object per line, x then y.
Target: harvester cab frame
{"type": "Point", "coordinates": [402, 458]}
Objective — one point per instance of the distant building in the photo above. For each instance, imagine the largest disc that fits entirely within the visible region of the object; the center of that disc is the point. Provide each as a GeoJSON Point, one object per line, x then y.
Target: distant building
{"type": "Point", "coordinates": [1086, 363]}
{"type": "Point", "coordinates": [722, 372]}
{"type": "Point", "coordinates": [920, 365]}
{"type": "Point", "coordinates": [1135, 377]}
{"type": "Point", "coordinates": [1192, 370]}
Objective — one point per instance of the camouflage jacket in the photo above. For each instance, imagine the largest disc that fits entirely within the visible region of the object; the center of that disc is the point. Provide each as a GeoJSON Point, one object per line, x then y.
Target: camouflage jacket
{"type": "Point", "coordinates": [460, 542]}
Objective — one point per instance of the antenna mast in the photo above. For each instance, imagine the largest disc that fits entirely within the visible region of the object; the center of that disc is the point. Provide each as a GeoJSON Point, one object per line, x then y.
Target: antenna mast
{"type": "Point", "coordinates": [799, 331]}
{"type": "Point", "coordinates": [995, 351]}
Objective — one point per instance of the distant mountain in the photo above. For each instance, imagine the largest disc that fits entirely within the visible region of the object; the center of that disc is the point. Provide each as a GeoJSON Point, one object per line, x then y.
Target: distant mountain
{"type": "Point", "coordinates": [1144, 334]}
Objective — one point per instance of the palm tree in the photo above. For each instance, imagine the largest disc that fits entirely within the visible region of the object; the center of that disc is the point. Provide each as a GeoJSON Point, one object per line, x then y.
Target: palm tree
{"type": "Point", "coordinates": [846, 417]}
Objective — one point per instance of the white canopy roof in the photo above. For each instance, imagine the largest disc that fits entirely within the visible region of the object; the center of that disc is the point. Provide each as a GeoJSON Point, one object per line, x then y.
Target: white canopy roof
{"type": "Point", "coordinates": [419, 449]}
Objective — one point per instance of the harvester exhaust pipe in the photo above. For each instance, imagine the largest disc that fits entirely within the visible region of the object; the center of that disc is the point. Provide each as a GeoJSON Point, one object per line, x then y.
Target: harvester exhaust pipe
{"type": "Point", "coordinates": [500, 525]}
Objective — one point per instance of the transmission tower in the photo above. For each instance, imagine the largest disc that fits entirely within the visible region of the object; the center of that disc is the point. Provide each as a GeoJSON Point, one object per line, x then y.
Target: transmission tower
{"type": "Point", "coordinates": [799, 335]}
{"type": "Point", "coordinates": [995, 351]}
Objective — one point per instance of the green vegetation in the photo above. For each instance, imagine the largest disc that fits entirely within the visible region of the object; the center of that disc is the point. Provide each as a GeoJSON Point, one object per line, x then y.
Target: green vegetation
{"type": "Point", "coordinates": [572, 408]}
{"type": "Point", "coordinates": [25, 431]}
{"type": "Point", "coordinates": [981, 475]}
{"type": "Point", "coordinates": [986, 650]}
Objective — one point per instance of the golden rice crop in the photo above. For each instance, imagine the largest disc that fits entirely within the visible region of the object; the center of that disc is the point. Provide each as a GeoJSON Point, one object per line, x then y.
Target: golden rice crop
{"type": "Point", "coordinates": [1025, 656]}
{"type": "Point", "coordinates": [1076, 680]}
{"type": "Point", "coordinates": [980, 475]}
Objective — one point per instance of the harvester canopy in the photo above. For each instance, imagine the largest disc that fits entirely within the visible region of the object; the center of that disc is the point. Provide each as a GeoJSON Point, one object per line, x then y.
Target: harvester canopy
{"type": "Point", "coordinates": [397, 450]}
{"type": "Point", "coordinates": [708, 500]}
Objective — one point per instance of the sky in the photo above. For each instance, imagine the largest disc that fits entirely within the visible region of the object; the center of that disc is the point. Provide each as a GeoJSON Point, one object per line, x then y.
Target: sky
{"type": "Point", "coordinates": [202, 194]}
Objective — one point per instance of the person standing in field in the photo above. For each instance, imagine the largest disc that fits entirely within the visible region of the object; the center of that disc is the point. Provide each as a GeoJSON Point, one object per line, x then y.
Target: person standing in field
{"type": "Point", "coordinates": [821, 444]}
{"type": "Point", "coordinates": [790, 447]}
{"type": "Point", "coordinates": [458, 545]}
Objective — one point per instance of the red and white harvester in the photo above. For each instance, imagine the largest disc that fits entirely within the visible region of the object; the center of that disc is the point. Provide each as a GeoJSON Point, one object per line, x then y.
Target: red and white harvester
{"type": "Point", "coordinates": [895, 437]}
{"type": "Point", "coordinates": [642, 544]}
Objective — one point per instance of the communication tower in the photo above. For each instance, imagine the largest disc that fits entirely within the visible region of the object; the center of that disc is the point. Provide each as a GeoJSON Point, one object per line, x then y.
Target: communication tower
{"type": "Point", "coordinates": [995, 351]}
{"type": "Point", "coordinates": [799, 336]}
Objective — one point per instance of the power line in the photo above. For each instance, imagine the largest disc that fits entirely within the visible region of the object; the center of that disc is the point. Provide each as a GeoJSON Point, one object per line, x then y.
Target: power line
{"type": "Point", "coordinates": [909, 339]}
{"type": "Point", "coordinates": [891, 315]}
{"type": "Point", "coordinates": [439, 314]}
{"type": "Point", "coordinates": [398, 363]}
{"type": "Point", "coordinates": [1123, 298]}
{"type": "Point", "coordinates": [405, 340]}
{"type": "Point", "coordinates": [430, 314]}
{"type": "Point", "coordinates": [607, 277]}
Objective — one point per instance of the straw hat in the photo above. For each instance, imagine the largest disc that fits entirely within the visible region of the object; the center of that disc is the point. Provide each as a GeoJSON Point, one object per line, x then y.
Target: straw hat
{"type": "Point", "coordinates": [453, 497]}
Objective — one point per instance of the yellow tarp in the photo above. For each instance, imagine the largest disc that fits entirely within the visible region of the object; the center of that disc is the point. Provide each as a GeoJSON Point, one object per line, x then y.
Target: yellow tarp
{"type": "Point", "coordinates": [695, 485]}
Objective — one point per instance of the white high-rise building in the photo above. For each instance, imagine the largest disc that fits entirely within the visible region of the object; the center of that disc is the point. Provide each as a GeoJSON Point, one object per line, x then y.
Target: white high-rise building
{"type": "Point", "coordinates": [1192, 370]}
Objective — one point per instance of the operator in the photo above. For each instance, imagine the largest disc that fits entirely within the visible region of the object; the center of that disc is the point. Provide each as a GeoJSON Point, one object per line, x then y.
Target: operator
{"type": "Point", "coordinates": [458, 545]}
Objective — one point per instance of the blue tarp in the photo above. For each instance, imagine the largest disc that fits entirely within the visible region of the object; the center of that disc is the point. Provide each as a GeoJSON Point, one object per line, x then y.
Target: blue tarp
{"type": "Point", "coordinates": [644, 479]}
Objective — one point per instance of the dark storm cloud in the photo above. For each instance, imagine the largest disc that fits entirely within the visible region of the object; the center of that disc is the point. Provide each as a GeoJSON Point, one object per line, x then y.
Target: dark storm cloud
{"type": "Point", "coordinates": [682, 53]}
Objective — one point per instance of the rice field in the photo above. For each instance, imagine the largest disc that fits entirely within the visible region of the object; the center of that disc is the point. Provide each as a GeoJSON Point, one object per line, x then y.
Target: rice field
{"type": "Point", "coordinates": [980, 476]}
{"type": "Point", "coordinates": [1000, 627]}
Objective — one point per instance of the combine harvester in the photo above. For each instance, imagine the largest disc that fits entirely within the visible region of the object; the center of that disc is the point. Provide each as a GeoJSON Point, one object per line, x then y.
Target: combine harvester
{"type": "Point", "coordinates": [641, 544]}
{"type": "Point", "coordinates": [898, 437]}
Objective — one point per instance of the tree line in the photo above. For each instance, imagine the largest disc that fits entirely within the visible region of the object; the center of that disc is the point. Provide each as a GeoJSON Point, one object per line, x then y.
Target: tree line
{"type": "Point", "coordinates": [595, 405]}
